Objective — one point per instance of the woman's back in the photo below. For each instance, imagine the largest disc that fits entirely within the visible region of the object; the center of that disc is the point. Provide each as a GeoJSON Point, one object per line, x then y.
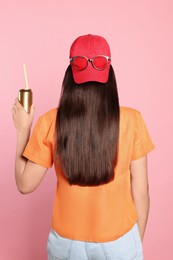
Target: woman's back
{"type": "Point", "coordinates": [100, 213]}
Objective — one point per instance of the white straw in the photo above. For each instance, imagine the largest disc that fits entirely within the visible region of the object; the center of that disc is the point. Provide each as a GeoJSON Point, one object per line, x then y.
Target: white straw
{"type": "Point", "coordinates": [25, 74]}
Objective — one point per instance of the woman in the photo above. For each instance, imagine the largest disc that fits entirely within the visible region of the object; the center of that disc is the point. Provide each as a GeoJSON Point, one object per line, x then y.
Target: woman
{"type": "Point", "coordinates": [99, 151]}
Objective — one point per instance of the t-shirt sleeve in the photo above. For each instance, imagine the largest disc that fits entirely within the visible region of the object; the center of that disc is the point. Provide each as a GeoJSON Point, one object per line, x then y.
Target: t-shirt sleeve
{"type": "Point", "coordinates": [39, 147]}
{"type": "Point", "coordinates": [142, 143]}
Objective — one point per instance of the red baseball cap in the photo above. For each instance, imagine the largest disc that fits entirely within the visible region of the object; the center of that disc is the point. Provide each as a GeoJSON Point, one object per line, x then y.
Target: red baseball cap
{"type": "Point", "coordinates": [90, 46]}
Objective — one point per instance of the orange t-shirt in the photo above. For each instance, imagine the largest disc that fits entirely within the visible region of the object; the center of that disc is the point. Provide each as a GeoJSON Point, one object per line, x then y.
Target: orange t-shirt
{"type": "Point", "coordinates": [100, 213]}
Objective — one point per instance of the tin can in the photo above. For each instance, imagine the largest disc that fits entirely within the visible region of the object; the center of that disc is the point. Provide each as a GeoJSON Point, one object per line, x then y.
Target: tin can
{"type": "Point", "coordinates": [25, 98]}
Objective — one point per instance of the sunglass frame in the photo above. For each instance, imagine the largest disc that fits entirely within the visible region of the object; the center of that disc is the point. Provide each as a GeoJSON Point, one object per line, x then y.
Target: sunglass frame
{"type": "Point", "coordinates": [90, 60]}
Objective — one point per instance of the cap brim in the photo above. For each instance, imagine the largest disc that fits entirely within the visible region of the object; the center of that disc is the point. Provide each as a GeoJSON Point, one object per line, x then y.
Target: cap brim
{"type": "Point", "coordinates": [90, 74]}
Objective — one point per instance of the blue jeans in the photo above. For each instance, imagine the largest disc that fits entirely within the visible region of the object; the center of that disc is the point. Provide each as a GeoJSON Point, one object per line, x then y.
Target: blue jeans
{"type": "Point", "coordinates": [127, 247]}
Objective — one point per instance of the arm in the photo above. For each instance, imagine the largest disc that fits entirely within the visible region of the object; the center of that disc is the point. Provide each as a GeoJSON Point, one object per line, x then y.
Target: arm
{"type": "Point", "coordinates": [28, 175]}
{"type": "Point", "coordinates": [140, 191]}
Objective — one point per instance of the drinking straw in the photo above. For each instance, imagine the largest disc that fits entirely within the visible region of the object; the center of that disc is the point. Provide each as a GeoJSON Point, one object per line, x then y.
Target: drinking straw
{"type": "Point", "coordinates": [25, 74]}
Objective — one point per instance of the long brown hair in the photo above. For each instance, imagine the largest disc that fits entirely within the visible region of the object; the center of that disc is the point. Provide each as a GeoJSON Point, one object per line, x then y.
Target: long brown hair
{"type": "Point", "coordinates": [87, 128]}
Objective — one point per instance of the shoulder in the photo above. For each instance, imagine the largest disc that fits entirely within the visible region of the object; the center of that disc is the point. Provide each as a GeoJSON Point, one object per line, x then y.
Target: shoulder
{"type": "Point", "coordinates": [49, 116]}
{"type": "Point", "coordinates": [131, 118]}
{"type": "Point", "coordinates": [128, 112]}
{"type": "Point", "coordinates": [47, 120]}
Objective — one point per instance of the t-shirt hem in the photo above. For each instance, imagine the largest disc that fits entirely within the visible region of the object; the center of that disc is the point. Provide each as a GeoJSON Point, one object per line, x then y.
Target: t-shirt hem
{"type": "Point", "coordinates": [36, 160]}
{"type": "Point", "coordinates": [94, 239]}
{"type": "Point", "coordinates": [140, 155]}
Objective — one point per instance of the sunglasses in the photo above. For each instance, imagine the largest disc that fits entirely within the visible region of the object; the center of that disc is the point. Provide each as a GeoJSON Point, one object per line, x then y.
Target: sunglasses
{"type": "Point", "coordinates": [99, 62]}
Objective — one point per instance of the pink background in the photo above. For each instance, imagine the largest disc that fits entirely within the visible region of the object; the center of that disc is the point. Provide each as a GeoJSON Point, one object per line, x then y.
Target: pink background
{"type": "Point", "coordinates": [39, 33]}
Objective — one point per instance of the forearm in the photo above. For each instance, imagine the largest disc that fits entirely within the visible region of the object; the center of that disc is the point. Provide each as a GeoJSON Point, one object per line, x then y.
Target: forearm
{"type": "Point", "coordinates": [22, 122]}
{"type": "Point", "coordinates": [20, 161]}
{"type": "Point", "coordinates": [142, 204]}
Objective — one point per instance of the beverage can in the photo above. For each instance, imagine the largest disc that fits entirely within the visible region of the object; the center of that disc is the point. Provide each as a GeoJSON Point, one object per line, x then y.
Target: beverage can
{"type": "Point", "coordinates": [25, 98]}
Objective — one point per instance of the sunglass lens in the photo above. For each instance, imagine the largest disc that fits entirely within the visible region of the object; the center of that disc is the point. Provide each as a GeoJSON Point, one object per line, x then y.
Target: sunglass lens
{"type": "Point", "coordinates": [100, 62]}
{"type": "Point", "coordinates": [80, 63]}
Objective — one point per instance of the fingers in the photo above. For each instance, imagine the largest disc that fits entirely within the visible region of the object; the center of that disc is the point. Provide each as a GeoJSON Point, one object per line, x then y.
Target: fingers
{"type": "Point", "coordinates": [17, 106]}
{"type": "Point", "coordinates": [17, 103]}
{"type": "Point", "coordinates": [22, 119]}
